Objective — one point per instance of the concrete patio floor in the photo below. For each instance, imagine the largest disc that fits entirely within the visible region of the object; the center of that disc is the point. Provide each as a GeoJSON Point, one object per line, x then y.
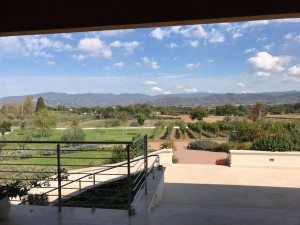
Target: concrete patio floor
{"type": "Point", "coordinates": [194, 194]}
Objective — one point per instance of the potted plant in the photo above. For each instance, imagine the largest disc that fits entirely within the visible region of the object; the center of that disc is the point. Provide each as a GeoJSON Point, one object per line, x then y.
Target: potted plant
{"type": "Point", "coordinates": [11, 190]}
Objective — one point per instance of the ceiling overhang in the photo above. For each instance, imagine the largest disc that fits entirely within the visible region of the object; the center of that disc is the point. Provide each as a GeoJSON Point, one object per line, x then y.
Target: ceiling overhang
{"type": "Point", "coordinates": [21, 17]}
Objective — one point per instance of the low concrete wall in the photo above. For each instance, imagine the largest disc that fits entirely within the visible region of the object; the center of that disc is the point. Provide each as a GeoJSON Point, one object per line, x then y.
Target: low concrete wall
{"type": "Point", "coordinates": [252, 158]}
{"type": "Point", "coordinates": [165, 156]}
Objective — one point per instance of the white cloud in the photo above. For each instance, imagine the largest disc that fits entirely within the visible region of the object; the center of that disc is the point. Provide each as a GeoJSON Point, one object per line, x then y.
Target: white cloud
{"type": "Point", "coordinates": [111, 33]}
{"type": "Point", "coordinates": [289, 36]}
{"type": "Point", "coordinates": [155, 65]}
{"type": "Point", "coordinates": [291, 79]}
{"type": "Point", "coordinates": [262, 74]}
{"type": "Point", "coordinates": [216, 36]}
{"type": "Point", "coordinates": [210, 60]}
{"type": "Point", "coordinates": [149, 82]}
{"type": "Point", "coordinates": [237, 35]}
{"type": "Point", "coordinates": [250, 50]}
{"type": "Point", "coordinates": [51, 63]}
{"type": "Point", "coordinates": [190, 90]}
{"type": "Point", "coordinates": [294, 70]}
{"type": "Point", "coordinates": [150, 62]}
{"type": "Point", "coordinates": [268, 47]}
{"type": "Point", "coordinates": [95, 47]}
{"type": "Point", "coordinates": [67, 36]}
{"type": "Point", "coordinates": [128, 46]}
{"type": "Point", "coordinates": [194, 44]}
{"type": "Point", "coordinates": [192, 66]}
{"type": "Point", "coordinates": [119, 64]}
{"type": "Point", "coordinates": [241, 85]}
{"type": "Point", "coordinates": [260, 39]}
{"type": "Point", "coordinates": [159, 33]}
{"type": "Point", "coordinates": [172, 45]}
{"type": "Point", "coordinates": [137, 64]}
{"type": "Point", "coordinates": [27, 46]}
{"type": "Point", "coordinates": [296, 20]}
{"type": "Point", "coordinates": [156, 90]}
{"type": "Point", "coordinates": [167, 92]}
{"type": "Point", "coordinates": [255, 23]}
{"type": "Point", "coordinates": [145, 59]}
{"type": "Point", "coordinates": [292, 37]}
{"type": "Point", "coordinates": [248, 91]}
{"type": "Point", "coordinates": [264, 60]}
{"type": "Point", "coordinates": [196, 31]}
{"type": "Point", "coordinates": [79, 57]}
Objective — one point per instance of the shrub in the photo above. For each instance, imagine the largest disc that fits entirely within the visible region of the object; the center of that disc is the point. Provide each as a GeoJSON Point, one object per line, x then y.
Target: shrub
{"type": "Point", "coordinates": [75, 133]}
{"type": "Point", "coordinates": [134, 124]}
{"type": "Point", "coordinates": [196, 127]}
{"type": "Point", "coordinates": [35, 199]}
{"type": "Point", "coordinates": [211, 127]}
{"type": "Point", "coordinates": [158, 129]}
{"type": "Point", "coordinates": [247, 131]}
{"type": "Point", "coordinates": [169, 143]}
{"type": "Point", "coordinates": [201, 145]}
{"type": "Point", "coordinates": [277, 142]}
{"type": "Point", "coordinates": [175, 159]}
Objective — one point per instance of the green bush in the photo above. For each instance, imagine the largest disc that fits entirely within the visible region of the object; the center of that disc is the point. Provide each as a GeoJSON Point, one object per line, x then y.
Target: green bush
{"type": "Point", "coordinates": [247, 131]}
{"type": "Point", "coordinates": [196, 127]}
{"type": "Point", "coordinates": [169, 143]}
{"type": "Point", "coordinates": [134, 124]}
{"type": "Point", "coordinates": [277, 142]}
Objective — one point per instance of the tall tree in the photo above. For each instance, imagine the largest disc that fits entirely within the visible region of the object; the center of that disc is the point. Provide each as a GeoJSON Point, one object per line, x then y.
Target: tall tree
{"type": "Point", "coordinates": [44, 120]}
{"type": "Point", "coordinates": [254, 111]}
{"type": "Point", "coordinates": [141, 118]}
{"type": "Point", "coordinates": [123, 117]}
{"type": "Point", "coordinates": [40, 104]}
{"type": "Point", "coordinates": [28, 106]}
{"type": "Point", "coordinates": [11, 108]}
{"type": "Point", "coordinates": [5, 126]}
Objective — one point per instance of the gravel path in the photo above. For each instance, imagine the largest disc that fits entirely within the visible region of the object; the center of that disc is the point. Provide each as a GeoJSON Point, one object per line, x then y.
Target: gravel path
{"type": "Point", "coordinates": [186, 156]}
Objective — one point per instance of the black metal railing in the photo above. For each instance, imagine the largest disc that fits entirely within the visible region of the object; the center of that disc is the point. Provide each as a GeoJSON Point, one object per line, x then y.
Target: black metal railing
{"type": "Point", "coordinates": [81, 174]}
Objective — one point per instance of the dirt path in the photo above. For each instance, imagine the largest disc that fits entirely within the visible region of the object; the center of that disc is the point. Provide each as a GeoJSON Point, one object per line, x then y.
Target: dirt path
{"type": "Point", "coordinates": [186, 156]}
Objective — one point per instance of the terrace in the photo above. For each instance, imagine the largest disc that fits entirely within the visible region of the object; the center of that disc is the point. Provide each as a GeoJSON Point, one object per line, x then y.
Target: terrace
{"type": "Point", "coordinates": [194, 194]}
{"type": "Point", "coordinates": [213, 195]}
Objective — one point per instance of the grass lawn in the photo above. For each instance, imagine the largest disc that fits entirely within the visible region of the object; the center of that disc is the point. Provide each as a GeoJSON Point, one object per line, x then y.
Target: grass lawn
{"type": "Point", "coordinates": [114, 134]}
{"type": "Point", "coordinates": [118, 134]}
{"type": "Point", "coordinates": [69, 161]}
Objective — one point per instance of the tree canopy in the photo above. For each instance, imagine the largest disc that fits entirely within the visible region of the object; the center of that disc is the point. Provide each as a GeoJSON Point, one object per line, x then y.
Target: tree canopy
{"type": "Point", "coordinates": [40, 104]}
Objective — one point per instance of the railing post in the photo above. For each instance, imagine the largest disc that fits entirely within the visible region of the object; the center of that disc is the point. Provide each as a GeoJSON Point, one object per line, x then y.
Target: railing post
{"type": "Point", "coordinates": [146, 162]}
{"type": "Point", "coordinates": [59, 177]}
{"type": "Point", "coordinates": [129, 179]}
{"type": "Point", "coordinates": [94, 179]}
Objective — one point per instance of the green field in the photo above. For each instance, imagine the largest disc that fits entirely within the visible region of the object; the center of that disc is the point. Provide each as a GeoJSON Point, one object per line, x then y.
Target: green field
{"type": "Point", "coordinates": [110, 134]}
{"type": "Point", "coordinates": [69, 161]}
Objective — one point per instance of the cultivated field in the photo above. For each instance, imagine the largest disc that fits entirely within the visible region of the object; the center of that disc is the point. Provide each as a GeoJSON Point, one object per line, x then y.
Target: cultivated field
{"type": "Point", "coordinates": [284, 116]}
{"type": "Point", "coordinates": [187, 119]}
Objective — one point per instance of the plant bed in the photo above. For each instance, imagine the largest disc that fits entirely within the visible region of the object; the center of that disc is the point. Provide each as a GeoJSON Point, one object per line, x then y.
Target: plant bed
{"type": "Point", "coordinates": [111, 195]}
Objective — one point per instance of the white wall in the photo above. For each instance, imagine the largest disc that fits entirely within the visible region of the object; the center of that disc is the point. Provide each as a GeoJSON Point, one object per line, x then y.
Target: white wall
{"type": "Point", "coordinates": [252, 158]}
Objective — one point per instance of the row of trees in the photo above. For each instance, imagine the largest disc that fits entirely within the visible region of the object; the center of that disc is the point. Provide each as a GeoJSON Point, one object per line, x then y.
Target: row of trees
{"type": "Point", "coordinates": [27, 107]}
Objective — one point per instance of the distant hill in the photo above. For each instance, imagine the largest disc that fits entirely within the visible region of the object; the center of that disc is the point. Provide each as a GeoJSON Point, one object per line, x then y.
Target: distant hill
{"type": "Point", "coordinates": [92, 99]}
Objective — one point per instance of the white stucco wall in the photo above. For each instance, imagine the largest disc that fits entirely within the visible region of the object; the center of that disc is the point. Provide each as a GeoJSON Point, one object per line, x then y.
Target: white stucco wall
{"type": "Point", "coordinates": [252, 158]}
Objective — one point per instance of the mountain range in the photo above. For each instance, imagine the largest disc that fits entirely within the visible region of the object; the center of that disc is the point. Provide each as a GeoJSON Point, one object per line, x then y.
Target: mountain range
{"type": "Point", "coordinates": [93, 99]}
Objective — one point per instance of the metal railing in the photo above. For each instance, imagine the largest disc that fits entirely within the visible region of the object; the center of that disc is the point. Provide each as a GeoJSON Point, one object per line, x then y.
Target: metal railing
{"type": "Point", "coordinates": [81, 174]}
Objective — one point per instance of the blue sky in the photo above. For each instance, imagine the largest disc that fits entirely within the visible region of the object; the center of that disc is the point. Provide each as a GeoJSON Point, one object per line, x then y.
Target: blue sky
{"type": "Point", "coordinates": [247, 57]}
